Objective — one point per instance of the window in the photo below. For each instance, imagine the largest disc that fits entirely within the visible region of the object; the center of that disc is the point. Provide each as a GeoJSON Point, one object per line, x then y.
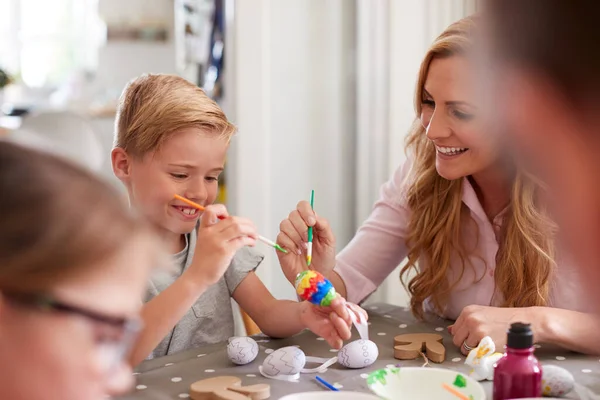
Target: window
{"type": "Point", "coordinates": [44, 42]}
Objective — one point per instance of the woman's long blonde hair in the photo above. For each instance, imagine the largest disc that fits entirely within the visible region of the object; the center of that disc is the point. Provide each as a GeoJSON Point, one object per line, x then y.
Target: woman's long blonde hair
{"type": "Point", "coordinates": [525, 259]}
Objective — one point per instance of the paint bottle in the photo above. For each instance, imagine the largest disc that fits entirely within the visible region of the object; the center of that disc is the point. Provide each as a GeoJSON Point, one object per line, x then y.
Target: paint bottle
{"type": "Point", "coordinates": [518, 373]}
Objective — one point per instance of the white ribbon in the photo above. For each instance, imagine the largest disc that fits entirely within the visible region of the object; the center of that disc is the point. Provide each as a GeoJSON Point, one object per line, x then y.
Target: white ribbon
{"type": "Point", "coordinates": [359, 323]}
{"type": "Point", "coordinates": [326, 363]}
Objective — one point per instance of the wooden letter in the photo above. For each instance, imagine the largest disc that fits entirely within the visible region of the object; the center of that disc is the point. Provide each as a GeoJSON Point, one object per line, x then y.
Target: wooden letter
{"type": "Point", "coordinates": [408, 347]}
{"type": "Point", "coordinates": [228, 388]}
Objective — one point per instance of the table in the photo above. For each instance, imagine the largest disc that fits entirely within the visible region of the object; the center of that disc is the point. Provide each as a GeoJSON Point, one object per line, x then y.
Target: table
{"type": "Point", "coordinates": [170, 377]}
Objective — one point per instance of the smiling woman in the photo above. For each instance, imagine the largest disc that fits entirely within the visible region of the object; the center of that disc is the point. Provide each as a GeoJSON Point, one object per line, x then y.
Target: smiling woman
{"type": "Point", "coordinates": [470, 221]}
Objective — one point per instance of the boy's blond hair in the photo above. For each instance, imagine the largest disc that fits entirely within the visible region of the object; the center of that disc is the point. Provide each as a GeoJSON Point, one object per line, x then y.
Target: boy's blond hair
{"type": "Point", "coordinates": [153, 106]}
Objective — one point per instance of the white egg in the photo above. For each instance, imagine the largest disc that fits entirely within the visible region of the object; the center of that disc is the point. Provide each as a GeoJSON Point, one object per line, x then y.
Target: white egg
{"type": "Point", "coordinates": [556, 381]}
{"type": "Point", "coordinates": [358, 354]}
{"type": "Point", "coordinates": [242, 350]}
{"type": "Point", "coordinates": [285, 361]}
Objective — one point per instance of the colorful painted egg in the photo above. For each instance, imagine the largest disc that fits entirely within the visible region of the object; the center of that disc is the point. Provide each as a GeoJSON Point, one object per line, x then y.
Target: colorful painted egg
{"type": "Point", "coordinates": [358, 354]}
{"type": "Point", "coordinates": [315, 288]}
{"type": "Point", "coordinates": [285, 361]}
{"type": "Point", "coordinates": [242, 350]}
{"type": "Point", "coordinates": [556, 381]}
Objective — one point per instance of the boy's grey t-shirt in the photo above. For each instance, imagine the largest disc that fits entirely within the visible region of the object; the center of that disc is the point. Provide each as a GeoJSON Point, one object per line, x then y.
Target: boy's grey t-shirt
{"type": "Point", "coordinates": [210, 320]}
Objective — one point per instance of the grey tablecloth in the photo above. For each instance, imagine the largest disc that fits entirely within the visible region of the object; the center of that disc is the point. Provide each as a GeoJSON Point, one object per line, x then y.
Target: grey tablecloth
{"type": "Point", "coordinates": [170, 377]}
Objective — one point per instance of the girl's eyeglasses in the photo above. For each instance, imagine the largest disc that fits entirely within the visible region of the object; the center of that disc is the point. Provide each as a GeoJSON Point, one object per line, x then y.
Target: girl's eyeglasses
{"type": "Point", "coordinates": [117, 334]}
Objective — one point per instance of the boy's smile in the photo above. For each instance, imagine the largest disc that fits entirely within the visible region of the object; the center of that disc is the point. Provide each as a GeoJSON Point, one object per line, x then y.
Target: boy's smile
{"type": "Point", "coordinates": [187, 212]}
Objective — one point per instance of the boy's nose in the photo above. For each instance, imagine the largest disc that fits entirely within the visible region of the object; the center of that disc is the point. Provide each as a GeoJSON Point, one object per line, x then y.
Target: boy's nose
{"type": "Point", "coordinates": [197, 192]}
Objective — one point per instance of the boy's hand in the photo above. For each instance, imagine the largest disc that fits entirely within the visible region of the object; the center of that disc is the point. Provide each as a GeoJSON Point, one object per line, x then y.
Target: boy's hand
{"type": "Point", "coordinates": [218, 241]}
{"type": "Point", "coordinates": [332, 323]}
{"type": "Point", "coordinates": [293, 236]}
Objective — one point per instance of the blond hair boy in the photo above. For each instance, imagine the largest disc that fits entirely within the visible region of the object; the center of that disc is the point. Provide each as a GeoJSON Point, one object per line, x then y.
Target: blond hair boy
{"type": "Point", "coordinates": [172, 139]}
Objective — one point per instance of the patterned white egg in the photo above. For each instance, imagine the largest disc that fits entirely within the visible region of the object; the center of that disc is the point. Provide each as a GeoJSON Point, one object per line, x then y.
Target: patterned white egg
{"type": "Point", "coordinates": [285, 361]}
{"type": "Point", "coordinates": [242, 350]}
{"type": "Point", "coordinates": [556, 381]}
{"type": "Point", "coordinates": [358, 354]}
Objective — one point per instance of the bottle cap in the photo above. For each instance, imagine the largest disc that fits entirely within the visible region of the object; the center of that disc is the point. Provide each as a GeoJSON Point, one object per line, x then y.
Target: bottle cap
{"type": "Point", "coordinates": [519, 336]}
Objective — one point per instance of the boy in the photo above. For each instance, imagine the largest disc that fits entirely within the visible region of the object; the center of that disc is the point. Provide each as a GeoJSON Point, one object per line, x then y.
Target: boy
{"type": "Point", "coordinates": [172, 139]}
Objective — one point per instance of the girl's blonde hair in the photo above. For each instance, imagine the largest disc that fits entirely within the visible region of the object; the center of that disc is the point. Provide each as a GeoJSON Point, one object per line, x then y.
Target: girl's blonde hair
{"type": "Point", "coordinates": [525, 259]}
{"type": "Point", "coordinates": [58, 221]}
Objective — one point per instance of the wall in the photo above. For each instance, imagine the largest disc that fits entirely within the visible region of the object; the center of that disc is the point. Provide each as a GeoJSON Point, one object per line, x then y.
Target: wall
{"type": "Point", "coordinates": [120, 61]}
{"type": "Point", "coordinates": [291, 93]}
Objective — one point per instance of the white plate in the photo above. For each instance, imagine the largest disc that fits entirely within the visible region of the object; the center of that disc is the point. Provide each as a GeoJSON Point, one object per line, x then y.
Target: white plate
{"type": "Point", "coordinates": [324, 395]}
{"type": "Point", "coordinates": [413, 383]}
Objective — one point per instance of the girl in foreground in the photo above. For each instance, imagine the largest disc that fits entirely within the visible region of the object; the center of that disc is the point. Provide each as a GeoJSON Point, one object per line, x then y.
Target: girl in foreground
{"type": "Point", "coordinates": [73, 267]}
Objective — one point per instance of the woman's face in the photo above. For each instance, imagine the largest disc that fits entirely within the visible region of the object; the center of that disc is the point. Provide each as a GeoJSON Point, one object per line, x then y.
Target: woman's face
{"type": "Point", "coordinates": [67, 355]}
{"type": "Point", "coordinates": [451, 119]}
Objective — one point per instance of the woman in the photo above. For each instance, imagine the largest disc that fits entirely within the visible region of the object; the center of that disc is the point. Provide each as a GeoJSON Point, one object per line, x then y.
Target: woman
{"type": "Point", "coordinates": [73, 268]}
{"type": "Point", "coordinates": [469, 221]}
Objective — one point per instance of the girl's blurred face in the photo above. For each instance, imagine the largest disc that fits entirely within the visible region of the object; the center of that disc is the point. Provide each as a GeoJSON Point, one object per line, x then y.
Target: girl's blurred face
{"type": "Point", "coordinates": [74, 348]}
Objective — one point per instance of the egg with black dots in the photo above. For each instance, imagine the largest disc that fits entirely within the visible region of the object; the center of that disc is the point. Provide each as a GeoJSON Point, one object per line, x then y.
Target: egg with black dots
{"type": "Point", "coordinates": [358, 354]}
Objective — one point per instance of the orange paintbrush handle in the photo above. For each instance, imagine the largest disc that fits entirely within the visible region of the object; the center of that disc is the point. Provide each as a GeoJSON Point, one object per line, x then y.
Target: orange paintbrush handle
{"type": "Point", "coordinates": [455, 392]}
{"type": "Point", "coordinates": [195, 205]}
{"type": "Point", "coordinates": [189, 202]}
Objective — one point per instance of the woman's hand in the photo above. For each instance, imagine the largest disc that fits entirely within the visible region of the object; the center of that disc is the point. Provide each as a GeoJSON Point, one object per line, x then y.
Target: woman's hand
{"type": "Point", "coordinates": [476, 322]}
{"type": "Point", "coordinates": [293, 236]}
{"type": "Point", "coordinates": [332, 323]}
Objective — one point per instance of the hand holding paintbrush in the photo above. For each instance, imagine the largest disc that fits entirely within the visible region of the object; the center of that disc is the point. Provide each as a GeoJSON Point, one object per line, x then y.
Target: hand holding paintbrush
{"type": "Point", "coordinates": [216, 244]}
{"type": "Point", "coordinates": [304, 233]}
{"type": "Point", "coordinates": [202, 208]}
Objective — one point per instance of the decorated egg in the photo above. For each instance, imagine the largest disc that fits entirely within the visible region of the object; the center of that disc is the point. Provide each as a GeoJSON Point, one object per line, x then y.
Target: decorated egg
{"type": "Point", "coordinates": [242, 350]}
{"type": "Point", "coordinates": [556, 381]}
{"type": "Point", "coordinates": [285, 361]}
{"type": "Point", "coordinates": [358, 354]}
{"type": "Point", "coordinates": [482, 359]}
{"type": "Point", "coordinates": [315, 288]}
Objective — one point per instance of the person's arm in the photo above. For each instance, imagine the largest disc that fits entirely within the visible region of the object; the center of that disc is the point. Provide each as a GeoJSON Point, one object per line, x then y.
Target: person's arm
{"type": "Point", "coordinates": [163, 312]}
{"type": "Point", "coordinates": [215, 247]}
{"type": "Point", "coordinates": [571, 330]}
{"type": "Point", "coordinates": [379, 245]}
{"type": "Point", "coordinates": [285, 318]}
{"type": "Point", "coordinates": [377, 248]}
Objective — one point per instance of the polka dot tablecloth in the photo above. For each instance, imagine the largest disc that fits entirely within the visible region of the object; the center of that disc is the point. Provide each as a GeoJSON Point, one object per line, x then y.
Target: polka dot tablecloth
{"type": "Point", "coordinates": [170, 377]}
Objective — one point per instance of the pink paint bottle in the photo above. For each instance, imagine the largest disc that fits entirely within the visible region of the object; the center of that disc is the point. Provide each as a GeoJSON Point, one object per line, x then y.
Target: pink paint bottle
{"type": "Point", "coordinates": [518, 373]}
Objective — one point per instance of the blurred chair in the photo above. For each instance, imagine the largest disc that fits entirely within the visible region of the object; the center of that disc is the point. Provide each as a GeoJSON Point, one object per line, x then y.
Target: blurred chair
{"type": "Point", "coordinates": [249, 324]}
{"type": "Point", "coordinates": [62, 133]}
